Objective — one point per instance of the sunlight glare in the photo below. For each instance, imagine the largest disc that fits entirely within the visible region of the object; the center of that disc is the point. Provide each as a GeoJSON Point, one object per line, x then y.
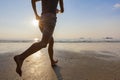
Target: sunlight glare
{"type": "Point", "coordinates": [35, 22]}
{"type": "Point", "coordinates": [37, 55]}
{"type": "Point", "coordinates": [36, 39]}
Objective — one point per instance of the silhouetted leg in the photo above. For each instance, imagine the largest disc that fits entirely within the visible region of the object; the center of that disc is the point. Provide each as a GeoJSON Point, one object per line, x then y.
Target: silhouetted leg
{"type": "Point", "coordinates": [51, 52]}
{"type": "Point", "coordinates": [34, 48]}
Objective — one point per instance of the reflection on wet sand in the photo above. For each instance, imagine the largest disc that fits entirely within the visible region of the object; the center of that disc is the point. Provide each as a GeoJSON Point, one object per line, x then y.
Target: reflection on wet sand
{"type": "Point", "coordinates": [38, 67]}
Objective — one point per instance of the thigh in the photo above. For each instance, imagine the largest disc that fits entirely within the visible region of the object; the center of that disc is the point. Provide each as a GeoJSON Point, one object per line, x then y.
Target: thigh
{"type": "Point", "coordinates": [47, 25]}
{"type": "Point", "coordinates": [47, 35]}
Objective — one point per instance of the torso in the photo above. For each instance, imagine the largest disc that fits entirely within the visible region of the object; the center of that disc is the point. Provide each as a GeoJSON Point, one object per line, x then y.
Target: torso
{"type": "Point", "coordinates": [49, 6]}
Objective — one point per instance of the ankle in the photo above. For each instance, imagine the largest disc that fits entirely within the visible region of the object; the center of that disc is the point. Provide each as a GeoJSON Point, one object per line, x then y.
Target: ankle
{"type": "Point", "coordinates": [21, 58]}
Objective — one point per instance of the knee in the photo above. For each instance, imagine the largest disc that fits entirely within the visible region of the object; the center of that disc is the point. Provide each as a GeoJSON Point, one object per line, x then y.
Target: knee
{"type": "Point", "coordinates": [40, 44]}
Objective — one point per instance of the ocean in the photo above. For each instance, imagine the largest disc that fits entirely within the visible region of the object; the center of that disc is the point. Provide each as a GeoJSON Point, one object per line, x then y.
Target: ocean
{"type": "Point", "coordinates": [12, 47]}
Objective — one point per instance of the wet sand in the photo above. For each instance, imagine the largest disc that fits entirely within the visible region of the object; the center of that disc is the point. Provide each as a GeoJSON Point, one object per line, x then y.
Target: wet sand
{"type": "Point", "coordinates": [89, 65]}
{"type": "Point", "coordinates": [35, 67]}
{"type": "Point", "coordinates": [82, 65]}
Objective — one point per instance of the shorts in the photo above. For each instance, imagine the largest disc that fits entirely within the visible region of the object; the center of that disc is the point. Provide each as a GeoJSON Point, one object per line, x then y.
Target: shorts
{"type": "Point", "coordinates": [47, 23]}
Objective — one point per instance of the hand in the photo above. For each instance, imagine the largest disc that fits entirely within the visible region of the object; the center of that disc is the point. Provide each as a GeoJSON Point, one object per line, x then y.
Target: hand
{"type": "Point", "coordinates": [57, 11]}
{"type": "Point", "coordinates": [37, 17]}
{"type": "Point", "coordinates": [61, 11]}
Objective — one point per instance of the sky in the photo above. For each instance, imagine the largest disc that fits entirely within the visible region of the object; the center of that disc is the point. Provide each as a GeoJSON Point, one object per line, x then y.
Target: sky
{"type": "Point", "coordinates": [82, 18]}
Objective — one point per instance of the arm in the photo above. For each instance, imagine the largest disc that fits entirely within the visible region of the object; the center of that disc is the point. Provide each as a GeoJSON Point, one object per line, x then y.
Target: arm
{"type": "Point", "coordinates": [61, 6]}
{"type": "Point", "coordinates": [34, 8]}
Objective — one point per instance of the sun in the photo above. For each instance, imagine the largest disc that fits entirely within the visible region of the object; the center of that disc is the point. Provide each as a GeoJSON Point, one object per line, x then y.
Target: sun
{"type": "Point", "coordinates": [35, 22]}
{"type": "Point", "coordinates": [36, 39]}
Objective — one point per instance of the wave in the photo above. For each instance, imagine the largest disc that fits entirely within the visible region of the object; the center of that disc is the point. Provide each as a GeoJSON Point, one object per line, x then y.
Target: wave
{"type": "Point", "coordinates": [66, 41]}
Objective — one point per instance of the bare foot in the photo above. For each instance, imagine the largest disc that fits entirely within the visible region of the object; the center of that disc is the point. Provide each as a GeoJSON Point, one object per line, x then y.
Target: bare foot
{"type": "Point", "coordinates": [19, 64]}
{"type": "Point", "coordinates": [53, 63]}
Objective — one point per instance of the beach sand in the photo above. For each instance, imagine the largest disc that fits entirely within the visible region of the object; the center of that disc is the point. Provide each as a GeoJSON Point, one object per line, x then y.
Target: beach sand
{"type": "Point", "coordinates": [76, 62]}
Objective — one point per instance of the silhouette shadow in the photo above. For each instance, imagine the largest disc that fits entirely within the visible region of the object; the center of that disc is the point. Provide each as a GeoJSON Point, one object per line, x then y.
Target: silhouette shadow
{"type": "Point", "coordinates": [56, 68]}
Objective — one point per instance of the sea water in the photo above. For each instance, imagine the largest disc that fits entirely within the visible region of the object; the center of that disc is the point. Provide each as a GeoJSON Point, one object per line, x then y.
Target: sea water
{"type": "Point", "coordinates": [6, 48]}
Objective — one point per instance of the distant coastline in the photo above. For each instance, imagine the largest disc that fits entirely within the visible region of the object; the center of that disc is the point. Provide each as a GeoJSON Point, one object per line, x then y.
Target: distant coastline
{"type": "Point", "coordinates": [67, 41]}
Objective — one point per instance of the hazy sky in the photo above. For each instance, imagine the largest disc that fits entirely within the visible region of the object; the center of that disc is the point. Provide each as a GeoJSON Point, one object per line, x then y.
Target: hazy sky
{"type": "Point", "coordinates": [82, 18]}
